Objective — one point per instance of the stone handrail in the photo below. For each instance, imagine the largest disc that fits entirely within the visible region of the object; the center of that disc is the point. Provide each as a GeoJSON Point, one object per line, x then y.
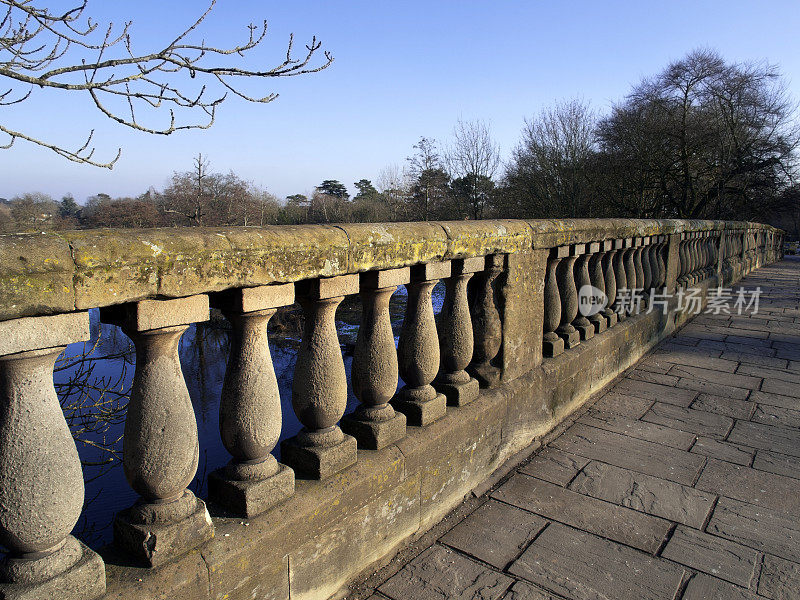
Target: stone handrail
{"type": "Point", "coordinates": [506, 361]}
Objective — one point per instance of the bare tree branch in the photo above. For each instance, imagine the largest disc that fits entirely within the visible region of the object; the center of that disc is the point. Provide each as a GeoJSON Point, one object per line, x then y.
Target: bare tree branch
{"type": "Point", "coordinates": [38, 51]}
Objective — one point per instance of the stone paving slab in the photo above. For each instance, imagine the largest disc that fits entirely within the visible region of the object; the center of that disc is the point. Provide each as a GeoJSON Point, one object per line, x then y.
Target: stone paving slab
{"type": "Point", "coordinates": [681, 481]}
{"type": "Point", "coordinates": [584, 512]}
{"type": "Point", "coordinates": [577, 564]}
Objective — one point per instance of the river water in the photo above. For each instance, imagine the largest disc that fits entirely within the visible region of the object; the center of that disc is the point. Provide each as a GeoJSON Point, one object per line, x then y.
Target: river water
{"type": "Point", "coordinates": [93, 382]}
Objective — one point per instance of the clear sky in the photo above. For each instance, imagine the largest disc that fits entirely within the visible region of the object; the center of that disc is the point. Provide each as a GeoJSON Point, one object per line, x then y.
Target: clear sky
{"type": "Point", "coordinates": [402, 70]}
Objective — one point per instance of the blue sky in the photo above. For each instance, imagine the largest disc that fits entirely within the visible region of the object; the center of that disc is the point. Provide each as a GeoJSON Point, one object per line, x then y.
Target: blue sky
{"type": "Point", "coordinates": [402, 70]}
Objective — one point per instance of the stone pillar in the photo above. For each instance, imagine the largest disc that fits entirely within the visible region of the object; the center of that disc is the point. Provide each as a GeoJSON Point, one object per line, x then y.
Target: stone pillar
{"type": "Point", "coordinates": [374, 373]}
{"type": "Point", "coordinates": [630, 272]}
{"type": "Point", "coordinates": [683, 264]}
{"type": "Point", "coordinates": [418, 349]}
{"type": "Point", "coordinates": [565, 278]}
{"type": "Point", "coordinates": [41, 481]}
{"type": "Point", "coordinates": [487, 328]}
{"type": "Point", "coordinates": [160, 449]}
{"type": "Point", "coordinates": [598, 320]}
{"type": "Point", "coordinates": [620, 276]}
{"type": "Point", "coordinates": [250, 406]}
{"type": "Point", "coordinates": [319, 386]}
{"type": "Point", "coordinates": [552, 344]}
{"type": "Point", "coordinates": [610, 280]}
{"type": "Point", "coordinates": [582, 279]}
{"type": "Point", "coordinates": [637, 265]}
{"type": "Point", "coordinates": [647, 273]}
{"type": "Point", "coordinates": [455, 335]}
{"type": "Point", "coordinates": [652, 259]}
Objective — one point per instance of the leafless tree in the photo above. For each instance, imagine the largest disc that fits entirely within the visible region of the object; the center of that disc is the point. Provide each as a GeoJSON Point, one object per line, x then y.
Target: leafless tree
{"type": "Point", "coordinates": [474, 158]}
{"type": "Point", "coordinates": [69, 51]}
{"type": "Point", "coordinates": [430, 179]}
{"type": "Point", "coordinates": [548, 174]}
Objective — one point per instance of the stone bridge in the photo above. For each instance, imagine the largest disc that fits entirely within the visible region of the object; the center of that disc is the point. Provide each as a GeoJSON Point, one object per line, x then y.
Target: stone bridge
{"type": "Point", "coordinates": [509, 362]}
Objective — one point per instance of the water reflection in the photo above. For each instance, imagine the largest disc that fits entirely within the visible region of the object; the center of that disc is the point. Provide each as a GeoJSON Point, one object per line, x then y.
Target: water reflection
{"type": "Point", "coordinates": [93, 380]}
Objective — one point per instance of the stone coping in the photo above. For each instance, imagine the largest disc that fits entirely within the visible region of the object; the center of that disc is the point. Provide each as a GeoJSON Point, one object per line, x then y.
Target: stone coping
{"type": "Point", "coordinates": [57, 272]}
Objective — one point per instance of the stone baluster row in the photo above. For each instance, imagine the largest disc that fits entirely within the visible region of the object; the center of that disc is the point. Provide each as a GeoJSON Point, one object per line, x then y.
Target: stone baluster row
{"type": "Point", "coordinates": [615, 269]}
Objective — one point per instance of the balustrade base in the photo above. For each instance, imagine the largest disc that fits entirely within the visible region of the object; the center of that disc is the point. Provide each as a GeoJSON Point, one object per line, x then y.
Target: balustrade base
{"type": "Point", "coordinates": [488, 376]}
{"type": "Point", "coordinates": [611, 318]}
{"type": "Point", "coordinates": [459, 394]}
{"type": "Point", "coordinates": [251, 497]}
{"type": "Point", "coordinates": [420, 413]}
{"type": "Point", "coordinates": [552, 348]}
{"type": "Point", "coordinates": [586, 332]}
{"type": "Point", "coordinates": [159, 542]}
{"type": "Point", "coordinates": [374, 435]}
{"type": "Point", "coordinates": [83, 579]}
{"type": "Point", "coordinates": [571, 340]}
{"type": "Point", "coordinates": [599, 323]}
{"type": "Point", "coordinates": [319, 462]}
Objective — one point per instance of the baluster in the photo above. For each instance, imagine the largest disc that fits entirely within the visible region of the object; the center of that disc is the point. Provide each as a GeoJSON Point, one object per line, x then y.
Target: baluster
{"type": "Point", "coordinates": [598, 319]}
{"type": "Point", "coordinates": [694, 257]}
{"type": "Point", "coordinates": [565, 277]}
{"type": "Point", "coordinates": [374, 372]}
{"type": "Point", "coordinates": [553, 345]}
{"type": "Point", "coordinates": [610, 280]}
{"type": "Point", "coordinates": [620, 276]}
{"type": "Point", "coordinates": [630, 274]}
{"type": "Point", "coordinates": [683, 263]}
{"type": "Point", "coordinates": [250, 405]}
{"type": "Point", "coordinates": [637, 265]}
{"type": "Point", "coordinates": [583, 280]}
{"type": "Point", "coordinates": [455, 335]}
{"type": "Point", "coordinates": [662, 262]}
{"type": "Point", "coordinates": [647, 274]}
{"type": "Point", "coordinates": [41, 481]}
{"type": "Point", "coordinates": [418, 349]}
{"type": "Point", "coordinates": [160, 449]}
{"type": "Point", "coordinates": [487, 328]}
{"type": "Point", "coordinates": [652, 257]}
{"type": "Point", "coordinates": [319, 386]}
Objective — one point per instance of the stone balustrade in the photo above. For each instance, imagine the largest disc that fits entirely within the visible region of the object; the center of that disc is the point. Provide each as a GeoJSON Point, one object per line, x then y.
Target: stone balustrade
{"type": "Point", "coordinates": [513, 351]}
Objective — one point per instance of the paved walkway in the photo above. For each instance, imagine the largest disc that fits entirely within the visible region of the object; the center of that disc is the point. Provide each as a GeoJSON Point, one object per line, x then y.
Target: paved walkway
{"type": "Point", "coordinates": [681, 482]}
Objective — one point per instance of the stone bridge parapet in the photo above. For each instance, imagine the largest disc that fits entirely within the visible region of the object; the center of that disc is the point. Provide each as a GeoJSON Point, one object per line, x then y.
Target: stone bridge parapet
{"type": "Point", "coordinates": [509, 358]}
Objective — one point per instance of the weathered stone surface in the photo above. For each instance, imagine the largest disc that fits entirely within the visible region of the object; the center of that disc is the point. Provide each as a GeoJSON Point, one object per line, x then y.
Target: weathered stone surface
{"type": "Point", "coordinates": [582, 566]}
{"type": "Point", "coordinates": [785, 440]}
{"type": "Point", "coordinates": [779, 579]}
{"type": "Point", "coordinates": [629, 453]}
{"type": "Point", "coordinates": [704, 374]}
{"type": "Point", "coordinates": [147, 315]}
{"type": "Point", "coordinates": [468, 238]}
{"type": "Point", "coordinates": [723, 451]}
{"type": "Point", "coordinates": [601, 518]}
{"type": "Point", "coordinates": [495, 533]}
{"type": "Point", "coordinates": [644, 493]}
{"type": "Point", "coordinates": [322, 288]}
{"type": "Point", "coordinates": [707, 553]}
{"type": "Point", "coordinates": [775, 415]}
{"type": "Point", "coordinates": [730, 407]}
{"type": "Point", "coordinates": [780, 464]}
{"type": "Point", "coordinates": [250, 497]}
{"type": "Point", "coordinates": [650, 432]}
{"type": "Point", "coordinates": [522, 590]}
{"type": "Point", "coordinates": [36, 333]}
{"type": "Point", "coordinates": [762, 528]}
{"type": "Point", "coordinates": [83, 580]}
{"type": "Point", "coordinates": [752, 486]}
{"type": "Point", "coordinates": [385, 278]}
{"type": "Point", "coordinates": [703, 587]}
{"type": "Point", "coordinates": [386, 245]}
{"type": "Point", "coordinates": [319, 462]}
{"type": "Point", "coordinates": [555, 466]}
{"type": "Point", "coordinates": [616, 403]}
{"type": "Point", "coordinates": [441, 574]}
{"type": "Point", "coordinates": [655, 392]}
{"type": "Point", "coordinates": [262, 297]}
{"type": "Point", "coordinates": [36, 272]}
{"type": "Point", "coordinates": [522, 293]}
{"type": "Point", "coordinates": [687, 419]}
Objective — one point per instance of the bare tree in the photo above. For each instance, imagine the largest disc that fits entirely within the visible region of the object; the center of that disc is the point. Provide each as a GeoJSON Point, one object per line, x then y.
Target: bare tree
{"type": "Point", "coordinates": [430, 179]}
{"type": "Point", "coordinates": [69, 51]}
{"type": "Point", "coordinates": [474, 158]}
{"type": "Point", "coordinates": [548, 174]}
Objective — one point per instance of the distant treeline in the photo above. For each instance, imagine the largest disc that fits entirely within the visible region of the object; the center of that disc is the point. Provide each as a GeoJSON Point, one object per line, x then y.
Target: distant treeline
{"type": "Point", "coordinates": [702, 139]}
